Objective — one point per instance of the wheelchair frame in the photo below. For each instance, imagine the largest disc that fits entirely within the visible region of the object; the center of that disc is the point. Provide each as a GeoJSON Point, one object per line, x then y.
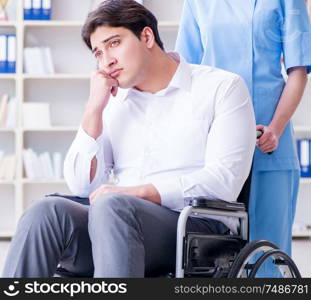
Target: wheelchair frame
{"type": "Point", "coordinates": [242, 264]}
{"type": "Point", "coordinates": [181, 229]}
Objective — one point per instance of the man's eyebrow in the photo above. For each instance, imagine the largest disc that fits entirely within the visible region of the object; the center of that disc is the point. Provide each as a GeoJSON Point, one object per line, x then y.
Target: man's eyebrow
{"type": "Point", "coordinates": [106, 40]}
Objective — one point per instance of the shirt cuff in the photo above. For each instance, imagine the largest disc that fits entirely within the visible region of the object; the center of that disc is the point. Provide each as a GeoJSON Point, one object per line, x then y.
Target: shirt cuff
{"type": "Point", "coordinates": [171, 193]}
{"type": "Point", "coordinates": [85, 144]}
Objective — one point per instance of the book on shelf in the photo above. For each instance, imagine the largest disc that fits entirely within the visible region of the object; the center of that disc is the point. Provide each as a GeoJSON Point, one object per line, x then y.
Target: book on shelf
{"type": "Point", "coordinates": [7, 53]}
{"type": "Point", "coordinates": [46, 163]}
{"type": "Point", "coordinates": [36, 115]}
{"type": "Point", "coordinates": [37, 9]}
{"type": "Point", "coordinates": [41, 166]}
{"type": "Point", "coordinates": [7, 111]}
{"type": "Point", "coordinates": [11, 114]}
{"type": "Point", "coordinates": [38, 61]}
{"type": "Point", "coordinates": [304, 155]}
{"type": "Point", "coordinates": [3, 109]}
{"type": "Point", "coordinates": [7, 166]}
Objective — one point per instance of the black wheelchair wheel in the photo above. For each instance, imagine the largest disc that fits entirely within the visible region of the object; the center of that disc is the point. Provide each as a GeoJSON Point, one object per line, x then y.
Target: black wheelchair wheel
{"type": "Point", "coordinates": [259, 258]}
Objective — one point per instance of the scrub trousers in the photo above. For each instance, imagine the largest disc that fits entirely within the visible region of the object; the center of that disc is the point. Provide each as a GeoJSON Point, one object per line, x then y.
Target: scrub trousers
{"type": "Point", "coordinates": [272, 206]}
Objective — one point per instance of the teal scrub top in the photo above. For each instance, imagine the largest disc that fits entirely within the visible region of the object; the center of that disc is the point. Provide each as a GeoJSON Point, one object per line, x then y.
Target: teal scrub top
{"type": "Point", "coordinates": [250, 37]}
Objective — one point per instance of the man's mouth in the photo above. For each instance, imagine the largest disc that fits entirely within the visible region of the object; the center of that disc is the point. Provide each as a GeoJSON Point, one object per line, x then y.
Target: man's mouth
{"type": "Point", "coordinates": [115, 73]}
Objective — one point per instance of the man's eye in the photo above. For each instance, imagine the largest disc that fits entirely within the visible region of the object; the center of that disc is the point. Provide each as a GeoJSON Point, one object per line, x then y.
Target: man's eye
{"type": "Point", "coordinates": [115, 43]}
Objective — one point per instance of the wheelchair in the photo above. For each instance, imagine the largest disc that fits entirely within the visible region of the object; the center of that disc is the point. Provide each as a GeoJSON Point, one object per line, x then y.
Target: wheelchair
{"type": "Point", "coordinates": [227, 256]}
{"type": "Point", "coordinates": [220, 256]}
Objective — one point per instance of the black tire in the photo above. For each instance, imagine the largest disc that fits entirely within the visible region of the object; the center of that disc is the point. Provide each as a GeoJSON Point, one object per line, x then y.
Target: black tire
{"type": "Point", "coordinates": [279, 255]}
{"type": "Point", "coordinates": [239, 266]}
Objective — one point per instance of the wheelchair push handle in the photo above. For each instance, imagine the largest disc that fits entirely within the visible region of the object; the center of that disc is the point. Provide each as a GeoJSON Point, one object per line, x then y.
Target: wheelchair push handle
{"type": "Point", "coordinates": [259, 133]}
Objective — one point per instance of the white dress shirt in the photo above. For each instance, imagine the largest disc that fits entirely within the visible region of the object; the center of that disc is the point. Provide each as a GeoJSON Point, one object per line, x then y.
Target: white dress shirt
{"type": "Point", "coordinates": [195, 137]}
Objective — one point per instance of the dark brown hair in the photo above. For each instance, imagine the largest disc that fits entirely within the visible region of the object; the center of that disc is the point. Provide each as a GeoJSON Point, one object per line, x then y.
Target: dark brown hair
{"type": "Point", "coordinates": [121, 13]}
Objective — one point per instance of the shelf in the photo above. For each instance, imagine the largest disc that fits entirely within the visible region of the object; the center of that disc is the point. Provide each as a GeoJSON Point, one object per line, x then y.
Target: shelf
{"type": "Point", "coordinates": [305, 180]}
{"type": "Point", "coordinates": [52, 129]}
{"type": "Point", "coordinates": [56, 76]}
{"type": "Point", "coordinates": [7, 182]}
{"type": "Point", "coordinates": [53, 23]}
{"type": "Point", "coordinates": [168, 24]}
{"type": "Point", "coordinates": [8, 24]}
{"type": "Point", "coordinates": [44, 181]}
{"type": "Point", "coordinates": [302, 129]}
{"type": "Point", "coordinates": [8, 76]}
{"type": "Point", "coordinates": [6, 233]}
{"type": "Point", "coordinates": [162, 24]}
{"type": "Point", "coordinates": [7, 130]}
{"type": "Point", "coordinates": [302, 234]}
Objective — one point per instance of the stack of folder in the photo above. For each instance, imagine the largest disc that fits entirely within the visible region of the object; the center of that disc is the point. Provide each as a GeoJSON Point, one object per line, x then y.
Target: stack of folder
{"type": "Point", "coordinates": [7, 53]}
{"type": "Point", "coordinates": [304, 154]}
{"type": "Point", "coordinates": [37, 9]}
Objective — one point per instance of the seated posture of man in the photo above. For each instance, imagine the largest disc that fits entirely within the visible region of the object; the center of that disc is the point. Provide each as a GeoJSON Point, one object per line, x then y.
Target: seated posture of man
{"type": "Point", "coordinates": [170, 131]}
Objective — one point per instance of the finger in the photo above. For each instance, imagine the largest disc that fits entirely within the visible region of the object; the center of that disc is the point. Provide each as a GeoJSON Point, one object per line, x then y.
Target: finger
{"type": "Point", "coordinates": [95, 193]}
{"type": "Point", "coordinates": [268, 148]}
{"type": "Point", "coordinates": [114, 91]}
{"type": "Point", "coordinates": [102, 72]}
{"type": "Point", "coordinates": [268, 143]}
{"type": "Point", "coordinates": [265, 138]}
{"type": "Point", "coordinates": [112, 82]}
{"type": "Point", "coordinates": [260, 127]}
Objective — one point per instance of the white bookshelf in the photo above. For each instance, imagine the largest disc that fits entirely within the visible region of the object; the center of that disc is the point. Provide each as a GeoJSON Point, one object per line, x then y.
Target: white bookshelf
{"type": "Point", "coordinates": [66, 91]}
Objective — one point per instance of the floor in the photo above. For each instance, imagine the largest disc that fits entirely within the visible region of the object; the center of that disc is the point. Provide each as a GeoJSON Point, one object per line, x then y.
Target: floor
{"type": "Point", "coordinates": [301, 255]}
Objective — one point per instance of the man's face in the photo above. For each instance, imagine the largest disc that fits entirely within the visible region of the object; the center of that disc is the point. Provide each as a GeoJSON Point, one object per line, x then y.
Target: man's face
{"type": "Point", "coordinates": [120, 54]}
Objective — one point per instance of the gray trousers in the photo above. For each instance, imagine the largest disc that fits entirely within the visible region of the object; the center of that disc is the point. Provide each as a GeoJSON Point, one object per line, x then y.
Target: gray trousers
{"type": "Point", "coordinates": [117, 236]}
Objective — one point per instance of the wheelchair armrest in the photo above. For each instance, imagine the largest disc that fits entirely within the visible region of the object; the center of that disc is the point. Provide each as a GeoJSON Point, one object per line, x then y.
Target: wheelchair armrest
{"type": "Point", "coordinates": [204, 202]}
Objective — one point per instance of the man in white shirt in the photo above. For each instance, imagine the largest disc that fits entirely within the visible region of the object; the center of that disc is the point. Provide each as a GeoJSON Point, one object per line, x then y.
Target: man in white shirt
{"type": "Point", "coordinates": [167, 129]}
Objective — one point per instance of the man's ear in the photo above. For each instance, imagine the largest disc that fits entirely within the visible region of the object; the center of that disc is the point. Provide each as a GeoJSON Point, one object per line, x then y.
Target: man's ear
{"type": "Point", "coordinates": [147, 37]}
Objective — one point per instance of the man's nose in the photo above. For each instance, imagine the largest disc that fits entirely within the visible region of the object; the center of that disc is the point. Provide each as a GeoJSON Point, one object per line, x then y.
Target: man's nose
{"type": "Point", "coordinates": [107, 61]}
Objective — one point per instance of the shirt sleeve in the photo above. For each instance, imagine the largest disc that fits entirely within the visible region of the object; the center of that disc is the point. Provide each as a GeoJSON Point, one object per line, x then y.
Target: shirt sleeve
{"type": "Point", "coordinates": [229, 153]}
{"type": "Point", "coordinates": [78, 160]}
{"type": "Point", "coordinates": [188, 42]}
{"type": "Point", "coordinates": [296, 34]}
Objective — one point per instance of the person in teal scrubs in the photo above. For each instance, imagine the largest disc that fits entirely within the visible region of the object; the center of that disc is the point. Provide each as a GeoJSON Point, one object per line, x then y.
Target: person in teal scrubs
{"type": "Point", "coordinates": [250, 38]}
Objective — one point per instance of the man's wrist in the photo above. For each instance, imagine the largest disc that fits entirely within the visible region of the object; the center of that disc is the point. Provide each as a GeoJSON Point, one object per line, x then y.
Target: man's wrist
{"type": "Point", "coordinates": [149, 192]}
{"type": "Point", "coordinates": [91, 107]}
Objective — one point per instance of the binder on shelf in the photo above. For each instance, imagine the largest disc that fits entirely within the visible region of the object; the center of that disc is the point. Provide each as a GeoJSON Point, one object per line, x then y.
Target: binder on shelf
{"type": "Point", "coordinates": [304, 157]}
{"type": "Point", "coordinates": [36, 9]}
{"type": "Point", "coordinates": [3, 53]}
{"type": "Point", "coordinates": [11, 53]}
{"type": "Point", "coordinates": [27, 9]}
{"type": "Point", "coordinates": [46, 9]}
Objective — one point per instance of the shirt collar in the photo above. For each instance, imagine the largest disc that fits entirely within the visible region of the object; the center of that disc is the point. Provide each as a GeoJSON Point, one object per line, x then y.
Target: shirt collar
{"type": "Point", "coordinates": [180, 80]}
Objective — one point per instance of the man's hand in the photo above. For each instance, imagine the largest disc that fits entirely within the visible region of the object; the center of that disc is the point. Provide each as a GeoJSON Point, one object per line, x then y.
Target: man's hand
{"type": "Point", "coordinates": [147, 192]}
{"type": "Point", "coordinates": [269, 140]}
{"type": "Point", "coordinates": [101, 87]}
